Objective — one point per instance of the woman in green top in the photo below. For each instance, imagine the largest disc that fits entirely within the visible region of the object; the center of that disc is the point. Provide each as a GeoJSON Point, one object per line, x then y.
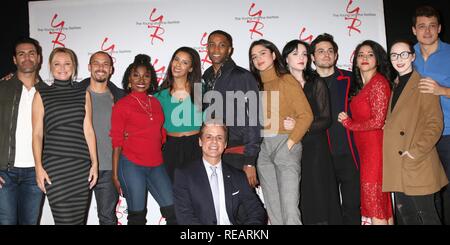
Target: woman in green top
{"type": "Point", "coordinates": [181, 98]}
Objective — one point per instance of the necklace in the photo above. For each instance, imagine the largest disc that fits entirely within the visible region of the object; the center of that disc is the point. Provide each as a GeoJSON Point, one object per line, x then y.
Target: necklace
{"type": "Point", "coordinates": [179, 95]}
{"type": "Point", "coordinates": [146, 107]}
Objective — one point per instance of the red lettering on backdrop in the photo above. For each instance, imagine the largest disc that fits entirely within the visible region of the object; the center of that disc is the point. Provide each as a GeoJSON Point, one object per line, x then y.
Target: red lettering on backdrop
{"type": "Point", "coordinates": [352, 56]}
{"type": "Point", "coordinates": [155, 24]}
{"type": "Point", "coordinates": [204, 49]}
{"type": "Point", "coordinates": [59, 35]}
{"type": "Point", "coordinates": [355, 21]}
{"type": "Point", "coordinates": [160, 72]}
{"type": "Point", "coordinates": [109, 50]}
{"type": "Point", "coordinates": [257, 24]}
{"type": "Point", "coordinates": [119, 213]}
{"type": "Point", "coordinates": [307, 39]}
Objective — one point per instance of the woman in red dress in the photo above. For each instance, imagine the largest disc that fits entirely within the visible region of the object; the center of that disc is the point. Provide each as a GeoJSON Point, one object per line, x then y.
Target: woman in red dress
{"type": "Point", "coordinates": [369, 106]}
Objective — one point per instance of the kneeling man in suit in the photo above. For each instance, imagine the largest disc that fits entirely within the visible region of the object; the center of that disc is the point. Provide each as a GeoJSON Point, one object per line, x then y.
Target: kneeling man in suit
{"type": "Point", "coordinates": [208, 192]}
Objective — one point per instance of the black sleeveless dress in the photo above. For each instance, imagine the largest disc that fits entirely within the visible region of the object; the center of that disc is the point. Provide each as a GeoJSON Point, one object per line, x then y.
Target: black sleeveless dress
{"type": "Point", "coordinates": [65, 154]}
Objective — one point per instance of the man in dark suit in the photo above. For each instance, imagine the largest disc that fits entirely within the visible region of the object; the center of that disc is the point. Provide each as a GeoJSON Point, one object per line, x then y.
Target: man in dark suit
{"type": "Point", "coordinates": [208, 192]}
{"type": "Point", "coordinates": [340, 141]}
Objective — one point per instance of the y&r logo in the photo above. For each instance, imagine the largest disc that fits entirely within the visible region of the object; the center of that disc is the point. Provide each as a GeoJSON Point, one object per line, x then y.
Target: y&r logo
{"type": "Point", "coordinates": [109, 50]}
{"type": "Point", "coordinates": [203, 50]}
{"type": "Point", "coordinates": [257, 24]}
{"type": "Point", "coordinates": [59, 35]}
{"type": "Point", "coordinates": [353, 16]}
{"type": "Point", "coordinates": [155, 25]}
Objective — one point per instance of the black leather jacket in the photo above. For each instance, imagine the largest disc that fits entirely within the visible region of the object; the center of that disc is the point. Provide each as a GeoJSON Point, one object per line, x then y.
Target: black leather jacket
{"type": "Point", "coordinates": [10, 91]}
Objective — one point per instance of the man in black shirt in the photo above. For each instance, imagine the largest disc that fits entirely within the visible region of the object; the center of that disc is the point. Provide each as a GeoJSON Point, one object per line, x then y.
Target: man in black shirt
{"type": "Point", "coordinates": [342, 148]}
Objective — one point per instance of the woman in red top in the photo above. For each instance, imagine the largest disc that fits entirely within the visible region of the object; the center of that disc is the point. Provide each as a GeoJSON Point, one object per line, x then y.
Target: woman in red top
{"type": "Point", "coordinates": [137, 136]}
{"type": "Point", "coordinates": [369, 108]}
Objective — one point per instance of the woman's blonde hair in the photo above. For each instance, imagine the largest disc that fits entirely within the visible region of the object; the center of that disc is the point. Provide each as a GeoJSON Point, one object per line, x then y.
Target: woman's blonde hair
{"type": "Point", "coordinates": [72, 56]}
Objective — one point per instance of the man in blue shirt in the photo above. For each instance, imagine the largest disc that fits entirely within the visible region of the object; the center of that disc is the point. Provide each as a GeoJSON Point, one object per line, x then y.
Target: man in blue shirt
{"type": "Point", "coordinates": [433, 63]}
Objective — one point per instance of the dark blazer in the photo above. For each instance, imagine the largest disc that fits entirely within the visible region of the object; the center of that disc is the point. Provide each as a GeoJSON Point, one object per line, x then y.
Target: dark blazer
{"type": "Point", "coordinates": [194, 203]}
{"type": "Point", "coordinates": [343, 85]}
{"type": "Point", "coordinates": [235, 78]}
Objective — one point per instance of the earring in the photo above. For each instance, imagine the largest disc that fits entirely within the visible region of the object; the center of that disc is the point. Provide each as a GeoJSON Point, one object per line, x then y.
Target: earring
{"type": "Point", "coordinates": [129, 85]}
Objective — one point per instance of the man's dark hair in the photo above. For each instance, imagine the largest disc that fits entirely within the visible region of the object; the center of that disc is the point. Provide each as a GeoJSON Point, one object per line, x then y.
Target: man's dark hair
{"type": "Point", "coordinates": [225, 34]}
{"type": "Point", "coordinates": [325, 37]}
{"type": "Point", "coordinates": [29, 40]}
{"type": "Point", "coordinates": [427, 11]}
{"type": "Point", "coordinates": [101, 52]}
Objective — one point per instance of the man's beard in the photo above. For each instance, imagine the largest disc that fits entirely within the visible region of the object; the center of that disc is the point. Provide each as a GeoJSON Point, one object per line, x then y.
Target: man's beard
{"type": "Point", "coordinates": [27, 69]}
{"type": "Point", "coordinates": [101, 79]}
{"type": "Point", "coordinates": [325, 66]}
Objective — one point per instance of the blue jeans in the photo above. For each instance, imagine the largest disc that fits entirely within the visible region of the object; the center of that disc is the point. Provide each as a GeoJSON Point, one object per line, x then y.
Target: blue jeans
{"type": "Point", "coordinates": [20, 197]}
{"type": "Point", "coordinates": [136, 180]}
{"type": "Point", "coordinates": [106, 197]}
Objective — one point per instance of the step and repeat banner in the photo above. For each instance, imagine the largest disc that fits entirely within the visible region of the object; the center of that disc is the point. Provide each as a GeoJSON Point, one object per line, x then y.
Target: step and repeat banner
{"type": "Point", "coordinates": [125, 28]}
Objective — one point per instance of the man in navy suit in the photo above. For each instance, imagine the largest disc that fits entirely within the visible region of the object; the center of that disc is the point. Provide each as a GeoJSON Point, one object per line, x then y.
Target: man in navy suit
{"type": "Point", "coordinates": [208, 192]}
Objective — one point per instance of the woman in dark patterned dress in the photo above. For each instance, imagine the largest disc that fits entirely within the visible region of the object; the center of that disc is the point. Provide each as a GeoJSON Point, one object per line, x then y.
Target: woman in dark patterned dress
{"type": "Point", "coordinates": [66, 162]}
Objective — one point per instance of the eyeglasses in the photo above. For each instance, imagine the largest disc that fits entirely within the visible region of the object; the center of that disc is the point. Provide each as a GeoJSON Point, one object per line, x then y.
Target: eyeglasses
{"type": "Point", "coordinates": [404, 55]}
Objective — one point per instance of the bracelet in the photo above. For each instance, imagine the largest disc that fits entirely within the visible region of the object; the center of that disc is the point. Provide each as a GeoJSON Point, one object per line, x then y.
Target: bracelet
{"type": "Point", "coordinates": [250, 166]}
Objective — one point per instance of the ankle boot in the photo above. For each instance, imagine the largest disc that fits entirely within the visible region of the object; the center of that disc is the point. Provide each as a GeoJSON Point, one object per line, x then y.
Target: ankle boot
{"type": "Point", "coordinates": [168, 212]}
{"type": "Point", "coordinates": [137, 217]}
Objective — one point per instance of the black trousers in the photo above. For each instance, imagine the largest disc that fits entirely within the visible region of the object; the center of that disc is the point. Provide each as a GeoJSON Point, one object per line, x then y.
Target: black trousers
{"type": "Point", "coordinates": [178, 152]}
{"type": "Point", "coordinates": [347, 177]}
{"type": "Point", "coordinates": [443, 198]}
{"type": "Point", "coordinates": [416, 210]}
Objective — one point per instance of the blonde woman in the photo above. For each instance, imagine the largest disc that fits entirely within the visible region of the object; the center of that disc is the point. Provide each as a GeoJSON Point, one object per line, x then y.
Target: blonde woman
{"type": "Point", "coordinates": [66, 162]}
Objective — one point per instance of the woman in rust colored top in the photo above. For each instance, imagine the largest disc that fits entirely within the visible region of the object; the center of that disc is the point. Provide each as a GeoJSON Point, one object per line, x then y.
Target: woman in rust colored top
{"type": "Point", "coordinates": [278, 163]}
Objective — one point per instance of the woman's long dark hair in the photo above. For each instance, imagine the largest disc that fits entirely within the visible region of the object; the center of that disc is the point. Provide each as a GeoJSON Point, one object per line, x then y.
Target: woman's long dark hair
{"type": "Point", "coordinates": [194, 77]}
{"type": "Point", "coordinates": [382, 63]}
{"type": "Point", "coordinates": [144, 61]}
{"type": "Point", "coordinates": [278, 64]}
{"type": "Point", "coordinates": [293, 45]}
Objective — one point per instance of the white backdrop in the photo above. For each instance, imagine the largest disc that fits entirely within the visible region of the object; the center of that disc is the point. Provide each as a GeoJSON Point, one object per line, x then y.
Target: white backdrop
{"type": "Point", "coordinates": [125, 28]}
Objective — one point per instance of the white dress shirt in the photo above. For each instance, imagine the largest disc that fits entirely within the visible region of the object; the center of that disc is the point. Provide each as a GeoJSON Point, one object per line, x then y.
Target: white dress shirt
{"type": "Point", "coordinates": [224, 220]}
{"type": "Point", "coordinates": [24, 151]}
